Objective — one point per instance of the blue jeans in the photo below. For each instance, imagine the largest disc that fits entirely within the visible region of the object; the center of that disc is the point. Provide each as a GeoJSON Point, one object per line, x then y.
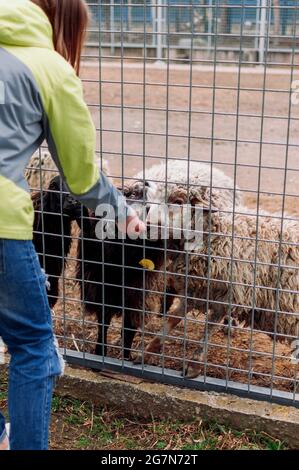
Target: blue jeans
{"type": "Point", "coordinates": [26, 329]}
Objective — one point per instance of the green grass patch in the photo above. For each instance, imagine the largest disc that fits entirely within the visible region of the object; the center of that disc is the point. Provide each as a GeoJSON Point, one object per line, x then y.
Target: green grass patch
{"type": "Point", "coordinates": [78, 425]}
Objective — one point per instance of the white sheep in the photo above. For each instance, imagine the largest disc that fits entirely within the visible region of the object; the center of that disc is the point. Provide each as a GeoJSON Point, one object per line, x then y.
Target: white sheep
{"type": "Point", "coordinates": [202, 178]}
{"type": "Point", "coordinates": [244, 266]}
{"type": "Point", "coordinates": [150, 188]}
{"type": "Point", "coordinates": [42, 169]}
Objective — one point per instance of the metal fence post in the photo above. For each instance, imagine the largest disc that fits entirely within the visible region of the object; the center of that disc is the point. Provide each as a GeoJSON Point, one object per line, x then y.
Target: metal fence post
{"type": "Point", "coordinates": [153, 15]}
{"type": "Point", "coordinates": [257, 25]}
{"type": "Point", "coordinates": [160, 28]}
{"type": "Point", "coordinates": [262, 35]}
{"type": "Point", "coordinates": [210, 24]}
{"type": "Point", "coordinates": [112, 28]}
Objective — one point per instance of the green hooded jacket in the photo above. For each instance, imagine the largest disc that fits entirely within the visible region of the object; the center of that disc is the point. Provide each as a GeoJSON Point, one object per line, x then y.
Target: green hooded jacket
{"type": "Point", "coordinates": [41, 98]}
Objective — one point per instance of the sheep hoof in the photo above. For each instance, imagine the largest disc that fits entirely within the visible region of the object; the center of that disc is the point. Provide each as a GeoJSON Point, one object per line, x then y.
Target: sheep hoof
{"type": "Point", "coordinates": [138, 359]}
{"type": "Point", "coordinates": [191, 372]}
{"type": "Point", "coordinates": [142, 358]}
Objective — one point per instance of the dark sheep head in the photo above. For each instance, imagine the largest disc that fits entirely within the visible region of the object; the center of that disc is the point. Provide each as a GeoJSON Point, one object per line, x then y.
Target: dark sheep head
{"type": "Point", "coordinates": [139, 194]}
{"type": "Point", "coordinates": [59, 201]}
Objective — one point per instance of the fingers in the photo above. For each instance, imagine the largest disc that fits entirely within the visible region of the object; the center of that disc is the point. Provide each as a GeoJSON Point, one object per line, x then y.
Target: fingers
{"type": "Point", "coordinates": [141, 227]}
{"type": "Point", "coordinates": [135, 225]}
{"type": "Point", "coordinates": [132, 226]}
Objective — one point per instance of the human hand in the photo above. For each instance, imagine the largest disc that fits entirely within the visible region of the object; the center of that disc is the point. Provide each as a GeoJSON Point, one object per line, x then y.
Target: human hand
{"type": "Point", "coordinates": [132, 226]}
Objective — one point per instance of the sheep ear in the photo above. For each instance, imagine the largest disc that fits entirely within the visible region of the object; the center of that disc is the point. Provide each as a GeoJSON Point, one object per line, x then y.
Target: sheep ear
{"type": "Point", "coordinates": [197, 199]}
{"type": "Point", "coordinates": [207, 210]}
{"type": "Point", "coordinates": [194, 200]}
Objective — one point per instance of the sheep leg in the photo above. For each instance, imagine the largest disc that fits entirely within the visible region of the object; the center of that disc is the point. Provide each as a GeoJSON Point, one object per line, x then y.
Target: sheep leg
{"type": "Point", "coordinates": [101, 349]}
{"type": "Point", "coordinates": [174, 317]}
{"type": "Point", "coordinates": [128, 334]}
{"type": "Point", "coordinates": [214, 316]}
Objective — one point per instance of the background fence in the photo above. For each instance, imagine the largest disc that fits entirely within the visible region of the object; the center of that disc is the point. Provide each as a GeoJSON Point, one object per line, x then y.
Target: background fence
{"type": "Point", "coordinates": [162, 24]}
{"type": "Point", "coordinates": [203, 108]}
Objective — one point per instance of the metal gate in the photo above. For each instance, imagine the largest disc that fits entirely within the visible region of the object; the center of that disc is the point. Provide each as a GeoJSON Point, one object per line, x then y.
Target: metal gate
{"type": "Point", "coordinates": [194, 97]}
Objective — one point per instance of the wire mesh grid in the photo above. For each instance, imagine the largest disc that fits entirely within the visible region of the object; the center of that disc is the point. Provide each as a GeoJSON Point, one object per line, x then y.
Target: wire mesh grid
{"type": "Point", "coordinates": [212, 127]}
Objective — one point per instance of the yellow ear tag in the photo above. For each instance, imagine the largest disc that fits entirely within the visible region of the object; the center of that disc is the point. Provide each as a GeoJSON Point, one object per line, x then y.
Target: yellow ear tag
{"type": "Point", "coordinates": [147, 264]}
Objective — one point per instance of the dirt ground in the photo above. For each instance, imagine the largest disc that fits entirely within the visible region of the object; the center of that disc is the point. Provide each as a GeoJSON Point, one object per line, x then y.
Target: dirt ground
{"type": "Point", "coordinates": [257, 121]}
{"type": "Point", "coordinates": [261, 124]}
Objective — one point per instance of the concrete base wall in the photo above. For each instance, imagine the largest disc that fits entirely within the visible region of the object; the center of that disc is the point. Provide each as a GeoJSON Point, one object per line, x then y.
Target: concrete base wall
{"type": "Point", "coordinates": [183, 54]}
{"type": "Point", "coordinates": [131, 396]}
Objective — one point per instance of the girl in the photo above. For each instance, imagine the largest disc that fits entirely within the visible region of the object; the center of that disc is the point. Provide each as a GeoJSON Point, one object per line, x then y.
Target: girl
{"type": "Point", "coordinates": [40, 98]}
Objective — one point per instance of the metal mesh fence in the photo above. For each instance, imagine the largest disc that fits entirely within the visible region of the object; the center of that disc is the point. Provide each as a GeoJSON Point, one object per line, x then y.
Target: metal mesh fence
{"type": "Point", "coordinates": [199, 110]}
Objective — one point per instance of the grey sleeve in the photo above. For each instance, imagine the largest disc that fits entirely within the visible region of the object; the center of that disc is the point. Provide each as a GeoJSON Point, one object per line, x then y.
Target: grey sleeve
{"type": "Point", "coordinates": [104, 192]}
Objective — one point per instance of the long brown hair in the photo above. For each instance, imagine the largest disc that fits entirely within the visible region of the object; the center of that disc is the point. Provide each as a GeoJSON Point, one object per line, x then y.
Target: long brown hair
{"type": "Point", "coordinates": [69, 20]}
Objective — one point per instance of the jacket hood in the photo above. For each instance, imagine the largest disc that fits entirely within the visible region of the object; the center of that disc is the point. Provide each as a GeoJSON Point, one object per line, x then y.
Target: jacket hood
{"type": "Point", "coordinates": [22, 23]}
